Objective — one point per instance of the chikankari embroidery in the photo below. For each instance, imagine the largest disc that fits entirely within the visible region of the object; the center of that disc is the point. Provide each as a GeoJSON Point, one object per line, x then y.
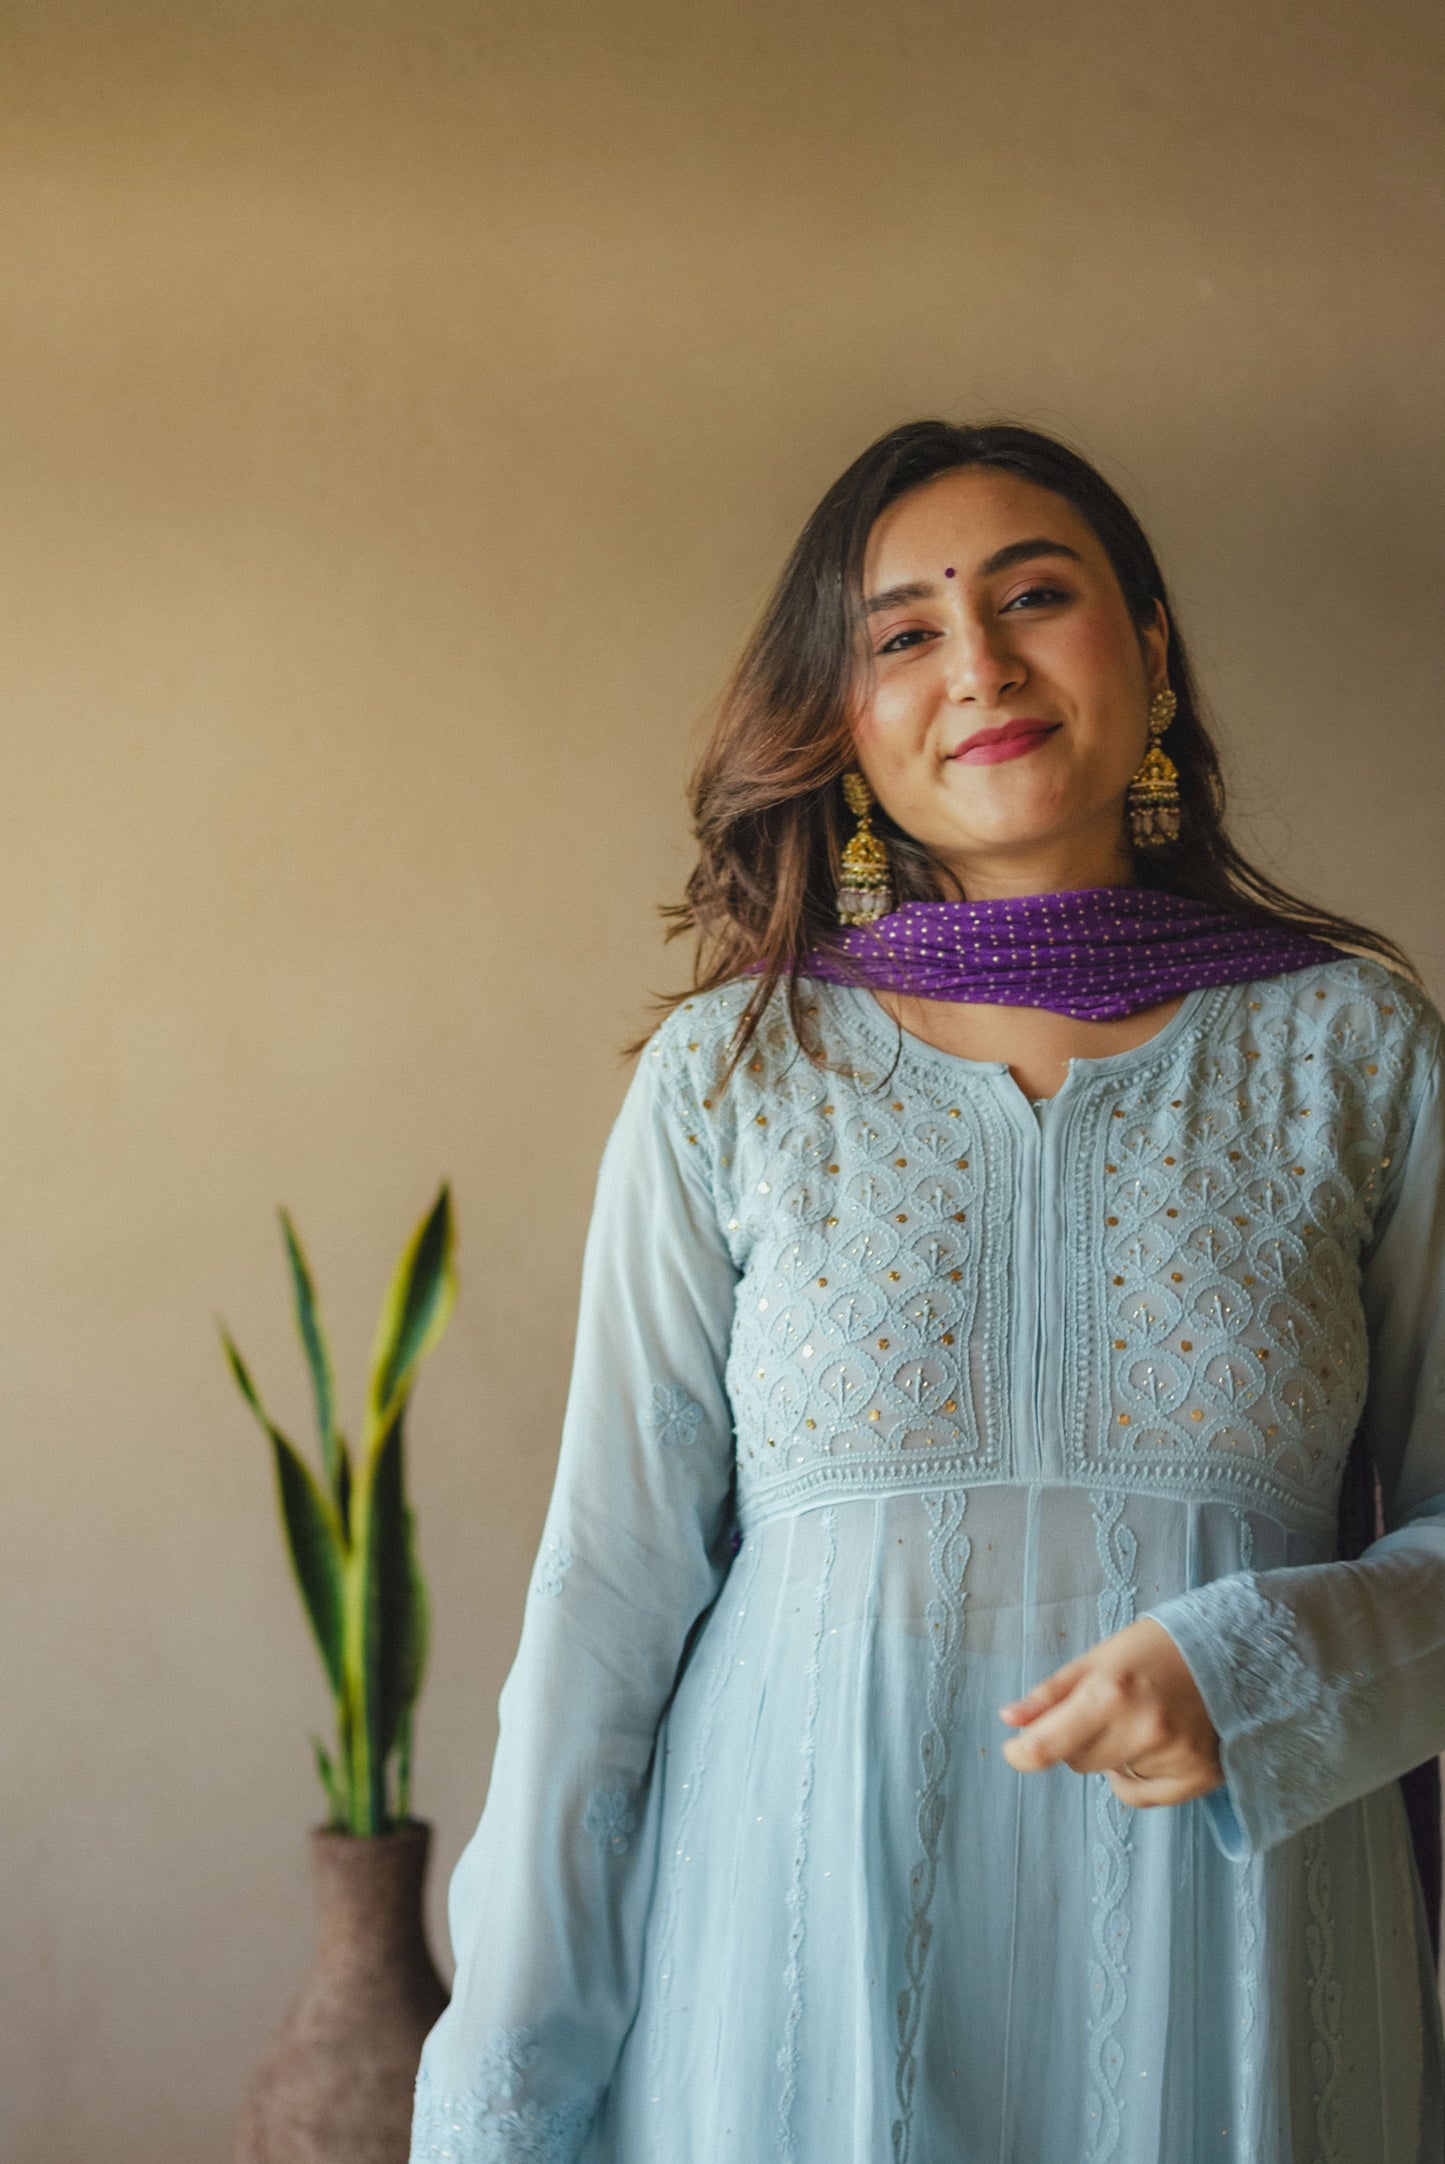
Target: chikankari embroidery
{"type": "Point", "coordinates": [611, 1819]}
{"type": "Point", "coordinates": [673, 1417]}
{"type": "Point", "coordinates": [948, 1556]}
{"type": "Point", "coordinates": [552, 1567]}
{"type": "Point", "coordinates": [1108, 1971]}
{"type": "Point", "coordinates": [496, 2121]}
{"type": "Point", "coordinates": [1289, 1712]}
{"type": "Point", "coordinates": [1325, 2054]}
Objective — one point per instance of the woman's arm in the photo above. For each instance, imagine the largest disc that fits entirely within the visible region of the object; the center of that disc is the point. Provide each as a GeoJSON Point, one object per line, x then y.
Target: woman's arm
{"type": "Point", "coordinates": [549, 1900]}
{"type": "Point", "coordinates": [1326, 1681]}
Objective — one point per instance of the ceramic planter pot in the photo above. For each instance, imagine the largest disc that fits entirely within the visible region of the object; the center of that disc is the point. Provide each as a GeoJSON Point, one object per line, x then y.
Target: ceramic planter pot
{"type": "Point", "coordinates": [335, 2084]}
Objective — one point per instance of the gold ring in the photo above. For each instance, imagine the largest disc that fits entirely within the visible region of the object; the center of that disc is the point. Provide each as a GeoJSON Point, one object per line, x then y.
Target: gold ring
{"type": "Point", "coordinates": [1132, 1774]}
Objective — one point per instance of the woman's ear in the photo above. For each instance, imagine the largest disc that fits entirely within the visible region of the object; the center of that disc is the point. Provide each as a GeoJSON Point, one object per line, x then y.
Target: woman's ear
{"type": "Point", "coordinates": [1154, 639]}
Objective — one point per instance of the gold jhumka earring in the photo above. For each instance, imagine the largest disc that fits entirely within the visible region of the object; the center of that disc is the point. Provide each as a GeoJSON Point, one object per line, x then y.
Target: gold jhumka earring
{"type": "Point", "coordinates": [1154, 792]}
{"type": "Point", "coordinates": [865, 891]}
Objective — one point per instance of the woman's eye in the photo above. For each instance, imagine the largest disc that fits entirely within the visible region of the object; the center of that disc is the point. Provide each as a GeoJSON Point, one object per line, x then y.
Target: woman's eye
{"type": "Point", "coordinates": [902, 640]}
{"type": "Point", "coordinates": [1040, 597]}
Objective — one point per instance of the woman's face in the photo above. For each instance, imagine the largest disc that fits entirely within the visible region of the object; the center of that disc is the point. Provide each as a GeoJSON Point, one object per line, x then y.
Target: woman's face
{"type": "Point", "coordinates": [990, 604]}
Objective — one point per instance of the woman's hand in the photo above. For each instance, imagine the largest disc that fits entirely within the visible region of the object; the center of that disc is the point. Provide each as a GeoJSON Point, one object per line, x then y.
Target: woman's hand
{"type": "Point", "coordinates": [1128, 1701]}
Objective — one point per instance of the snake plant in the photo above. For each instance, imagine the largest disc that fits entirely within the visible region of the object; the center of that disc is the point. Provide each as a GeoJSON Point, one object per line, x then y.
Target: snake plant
{"type": "Point", "coordinates": [350, 1532]}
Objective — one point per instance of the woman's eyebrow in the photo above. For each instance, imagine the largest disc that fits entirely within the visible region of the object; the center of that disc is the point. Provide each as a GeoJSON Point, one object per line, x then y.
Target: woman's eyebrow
{"type": "Point", "coordinates": [1016, 552]}
{"type": "Point", "coordinates": [1019, 552]}
{"type": "Point", "coordinates": [897, 597]}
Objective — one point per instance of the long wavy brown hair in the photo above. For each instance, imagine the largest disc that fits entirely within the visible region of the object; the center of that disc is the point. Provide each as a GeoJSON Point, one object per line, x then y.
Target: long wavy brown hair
{"type": "Point", "coordinates": [767, 807]}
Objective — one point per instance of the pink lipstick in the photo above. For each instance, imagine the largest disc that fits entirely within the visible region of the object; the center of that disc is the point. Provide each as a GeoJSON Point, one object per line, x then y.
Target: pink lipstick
{"type": "Point", "coordinates": [986, 747]}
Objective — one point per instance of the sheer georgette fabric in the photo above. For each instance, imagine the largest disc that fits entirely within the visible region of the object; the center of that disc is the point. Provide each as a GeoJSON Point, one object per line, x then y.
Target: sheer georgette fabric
{"type": "Point", "coordinates": [893, 1392]}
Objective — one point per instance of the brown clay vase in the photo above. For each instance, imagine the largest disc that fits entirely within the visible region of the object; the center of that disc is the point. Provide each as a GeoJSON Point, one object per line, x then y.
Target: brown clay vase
{"type": "Point", "coordinates": [335, 2084]}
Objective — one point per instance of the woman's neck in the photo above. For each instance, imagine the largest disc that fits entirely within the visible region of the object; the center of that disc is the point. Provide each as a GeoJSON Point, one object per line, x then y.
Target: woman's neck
{"type": "Point", "coordinates": [1055, 871]}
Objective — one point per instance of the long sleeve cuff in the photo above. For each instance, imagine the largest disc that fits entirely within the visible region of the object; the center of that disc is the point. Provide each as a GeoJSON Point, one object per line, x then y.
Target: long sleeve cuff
{"type": "Point", "coordinates": [1279, 1719]}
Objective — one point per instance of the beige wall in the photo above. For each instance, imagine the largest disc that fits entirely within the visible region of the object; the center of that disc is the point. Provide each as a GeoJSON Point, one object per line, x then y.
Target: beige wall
{"type": "Point", "coordinates": [404, 405]}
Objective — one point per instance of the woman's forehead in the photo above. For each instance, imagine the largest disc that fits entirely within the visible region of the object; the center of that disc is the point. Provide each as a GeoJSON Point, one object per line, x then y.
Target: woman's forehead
{"type": "Point", "coordinates": [964, 517]}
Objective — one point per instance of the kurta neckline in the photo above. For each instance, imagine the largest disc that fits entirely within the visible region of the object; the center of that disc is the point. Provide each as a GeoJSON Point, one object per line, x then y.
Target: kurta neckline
{"type": "Point", "coordinates": [1197, 1011]}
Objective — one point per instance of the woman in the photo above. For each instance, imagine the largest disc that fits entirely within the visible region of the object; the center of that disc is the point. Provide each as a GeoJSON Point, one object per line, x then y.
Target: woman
{"type": "Point", "coordinates": [944, 1729]}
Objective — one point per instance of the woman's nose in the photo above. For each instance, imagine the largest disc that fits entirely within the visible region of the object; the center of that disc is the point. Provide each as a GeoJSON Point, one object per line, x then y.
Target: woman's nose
{"type": "Point", "coordinates": [980, 664]}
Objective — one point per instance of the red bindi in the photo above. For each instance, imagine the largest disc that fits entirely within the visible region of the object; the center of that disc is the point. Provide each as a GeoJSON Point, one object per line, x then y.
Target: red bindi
{"type": "Point", "coordinates": [948, 574]}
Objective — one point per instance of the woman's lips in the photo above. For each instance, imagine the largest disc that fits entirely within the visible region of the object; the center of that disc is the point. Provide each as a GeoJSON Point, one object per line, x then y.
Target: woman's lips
{"type": "Point", "coordinates": [1008, 743]}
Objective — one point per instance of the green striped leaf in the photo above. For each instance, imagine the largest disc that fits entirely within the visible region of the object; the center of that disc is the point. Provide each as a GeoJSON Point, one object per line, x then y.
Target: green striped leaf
{"type": "Point", "coordinates": [314, 1537]}
{"type": "Point", "coordinates": [396, 1600]}
{"type": "Point", "coordinates": [416, 1311]}
{"type": "Point", "coordinates": [313, 1530]}
{"type": "Point", "coordinates": [318, 1355]}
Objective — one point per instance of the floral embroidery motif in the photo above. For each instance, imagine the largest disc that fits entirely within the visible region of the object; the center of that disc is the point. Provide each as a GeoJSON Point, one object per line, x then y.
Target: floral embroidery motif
{"type": "Point", "coordinates": [552, 1567]}
{"type": "Point", "coordinates": [948, 1556]}
{"type": "Point", "coordinates": [673, 1417]}
{"type": "Point", "coordinates": [611, 1819]}
{"type": "Point", "coordinates": [502, 2075]}
{"type": "Point", "coordinates": [496, 2122]}
{"type": "Point", "coordinates": [1108, 1971]}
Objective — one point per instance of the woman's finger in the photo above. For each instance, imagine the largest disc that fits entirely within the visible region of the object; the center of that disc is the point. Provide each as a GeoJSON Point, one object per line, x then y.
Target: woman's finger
{"type": "Point", "coordinates": [1143, 1793]}
{"type": "Point", "coordinates": [1066, 1731]}
{"type": "Point", "coordinates": [1048, 1693]}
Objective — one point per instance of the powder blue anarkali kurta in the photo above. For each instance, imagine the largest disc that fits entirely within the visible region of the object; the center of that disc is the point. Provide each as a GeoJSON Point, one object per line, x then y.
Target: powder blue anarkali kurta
{"type": "Point", "coordinates": [892, 1393]}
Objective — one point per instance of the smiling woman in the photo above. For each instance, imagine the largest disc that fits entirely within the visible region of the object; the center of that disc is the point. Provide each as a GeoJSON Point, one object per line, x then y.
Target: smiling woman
{"type": "Point", "coordinates": [947, 1723]}
{"type": "Point", "coordinates": [809, 689]}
